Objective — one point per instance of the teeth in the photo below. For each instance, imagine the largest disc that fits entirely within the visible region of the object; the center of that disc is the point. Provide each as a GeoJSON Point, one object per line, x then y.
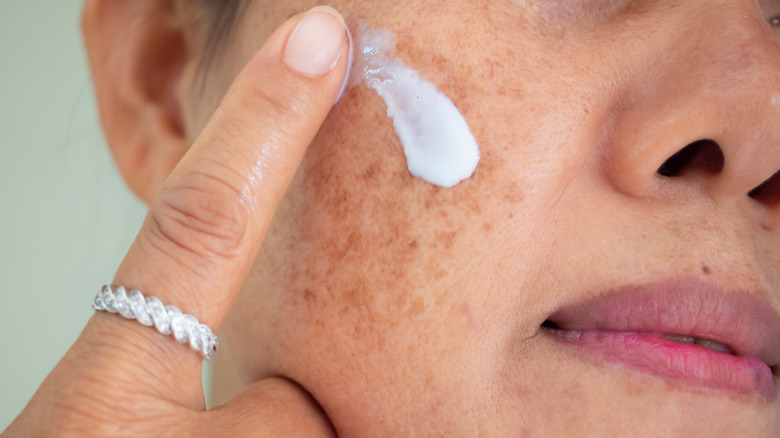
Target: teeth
{"type": "Point", "coordinates": [712, 345]}
{"type": "Point", "coordinates": [701, 342]}
{"type": "Point", "coordinates": [681, 338]}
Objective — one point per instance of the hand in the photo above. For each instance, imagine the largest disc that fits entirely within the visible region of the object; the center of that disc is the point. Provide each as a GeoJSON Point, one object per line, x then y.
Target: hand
{"type": "Point", "coordinates": [198, 241]}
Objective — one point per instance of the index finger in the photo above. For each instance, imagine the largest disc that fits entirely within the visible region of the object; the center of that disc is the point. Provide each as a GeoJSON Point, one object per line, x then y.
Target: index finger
{"type": "Point", "coordinates": [205, 226]}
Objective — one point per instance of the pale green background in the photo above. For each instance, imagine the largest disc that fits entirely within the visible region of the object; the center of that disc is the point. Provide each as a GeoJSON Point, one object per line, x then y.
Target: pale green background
{"type": "Point", "coordinates": [66, 218]}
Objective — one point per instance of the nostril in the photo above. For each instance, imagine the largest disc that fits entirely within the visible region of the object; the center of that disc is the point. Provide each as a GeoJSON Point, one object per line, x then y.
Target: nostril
{"type": "Point", "coordinates": [768, 192]}
{"type": "Point", "coordinates": [699, 155]}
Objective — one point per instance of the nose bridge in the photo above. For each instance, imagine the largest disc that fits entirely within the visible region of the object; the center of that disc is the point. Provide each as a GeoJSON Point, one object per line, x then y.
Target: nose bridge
{"type": "Point", "coordinates": [717, 78]}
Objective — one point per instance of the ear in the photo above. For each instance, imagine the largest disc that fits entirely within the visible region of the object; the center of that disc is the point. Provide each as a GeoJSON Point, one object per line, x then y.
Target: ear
{"type": "Point", "coordinates": [137, 56]}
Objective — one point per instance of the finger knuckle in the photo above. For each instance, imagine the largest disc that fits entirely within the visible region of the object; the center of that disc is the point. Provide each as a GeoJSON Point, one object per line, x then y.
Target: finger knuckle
{"type": "Point", "coordinates": [202, 214]}
{"type": "Point", "coordinates": [282, 98]}
{"type": "Point", "coordinates": [99, 419]}
{"type": "Point", "coordinates": [85, 415]}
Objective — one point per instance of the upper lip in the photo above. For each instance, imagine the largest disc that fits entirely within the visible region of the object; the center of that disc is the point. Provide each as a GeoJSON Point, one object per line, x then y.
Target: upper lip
{"type": "Point", "coordinates": [743, 320]}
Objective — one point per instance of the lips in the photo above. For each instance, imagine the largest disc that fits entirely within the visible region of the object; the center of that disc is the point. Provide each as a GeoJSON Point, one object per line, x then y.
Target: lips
{"type": "Point", "coordinates": [691, 333]}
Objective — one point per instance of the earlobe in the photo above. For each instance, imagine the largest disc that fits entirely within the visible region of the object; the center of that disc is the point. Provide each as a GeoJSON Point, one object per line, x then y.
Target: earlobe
{"type": "Point", "coordinates": [137, 56]}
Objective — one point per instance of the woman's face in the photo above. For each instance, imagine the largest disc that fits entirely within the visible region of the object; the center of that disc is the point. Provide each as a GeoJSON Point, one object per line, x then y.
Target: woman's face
{"type": "Point", "coordinates": [412, 310]}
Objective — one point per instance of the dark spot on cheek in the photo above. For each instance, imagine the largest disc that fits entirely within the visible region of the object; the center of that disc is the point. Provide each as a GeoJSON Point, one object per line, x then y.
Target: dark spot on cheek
{"type": "Point", "coordinates": [447, 240]}
{"type": "Point", "coordinates": [705, 269]}
{"type": "Point", "coordinates": [475, 207]}
{"type": "Point", "coordinates": [309, 296]}
{"type": "Point", "coordinates": [487, 227]}
{"type": "Point", "coordinates": [370, 172]}
{"type": "Point", "coordinates": [438, 274]}
{"type": "Point", "coordinates": [513, 194]}
{"type": "Point", "coordinates": [413, 244]}
{"type": "Point", "coordinates": [489, 163]}
{"type": "Point", "coordinates": [446, 75]}
{"type": "Point", "coordinates": [354, 240]}
{"type": "Point", "coordinates": [513, 198]}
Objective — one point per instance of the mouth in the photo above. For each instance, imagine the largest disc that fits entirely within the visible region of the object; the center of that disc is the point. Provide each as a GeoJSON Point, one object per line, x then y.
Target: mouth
{"type": "Point", "coordinates": [694, 335]}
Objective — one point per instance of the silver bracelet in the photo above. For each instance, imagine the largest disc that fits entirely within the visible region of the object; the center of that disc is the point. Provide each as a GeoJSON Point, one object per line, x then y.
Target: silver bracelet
{"type": "Point", "coordinates": [151, 311]}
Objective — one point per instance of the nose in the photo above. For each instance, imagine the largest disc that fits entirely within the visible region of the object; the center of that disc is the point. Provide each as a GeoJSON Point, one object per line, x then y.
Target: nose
{"type": "Point", "coordinates": [701, 115]}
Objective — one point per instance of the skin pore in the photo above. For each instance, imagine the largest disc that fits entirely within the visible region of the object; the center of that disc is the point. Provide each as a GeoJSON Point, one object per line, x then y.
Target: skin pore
{"type": "Point", "coordinates": [411, 310]}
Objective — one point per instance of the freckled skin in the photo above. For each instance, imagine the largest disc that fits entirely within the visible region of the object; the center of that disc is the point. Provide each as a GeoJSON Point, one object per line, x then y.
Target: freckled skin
{"type": "Point", "coordinates": [412, 310]}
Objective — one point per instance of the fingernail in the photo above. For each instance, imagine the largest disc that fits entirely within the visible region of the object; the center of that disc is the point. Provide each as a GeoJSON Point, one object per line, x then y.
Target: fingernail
{"type": "Point", "coordinates": [314, 46]}
{"type": "Point", "coordinates": [349, 68]}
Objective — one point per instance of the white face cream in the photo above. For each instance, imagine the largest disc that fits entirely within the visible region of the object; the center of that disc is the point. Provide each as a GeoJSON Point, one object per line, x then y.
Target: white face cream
{"type": "Point", "coordinates": [436, 139]}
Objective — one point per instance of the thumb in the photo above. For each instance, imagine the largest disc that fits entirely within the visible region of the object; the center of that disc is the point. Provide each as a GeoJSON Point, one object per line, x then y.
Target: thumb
{"type": "Point", "coordinates": [269, 408]}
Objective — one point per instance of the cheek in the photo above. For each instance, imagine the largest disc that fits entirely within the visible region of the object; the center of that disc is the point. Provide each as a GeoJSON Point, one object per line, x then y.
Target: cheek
{"type": "Point", "coordinates": [376, 249]}
{"type": "Point", "coordinates": [390, 270]}
{"type": "Point", "coordinates": [376, 273]}
{"type": "Point", "coordinates": [378, 237]}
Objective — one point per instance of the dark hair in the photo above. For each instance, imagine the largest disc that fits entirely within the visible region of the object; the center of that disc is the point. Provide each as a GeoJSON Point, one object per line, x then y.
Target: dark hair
{"type": "Point", "coordinates": [219, 17]}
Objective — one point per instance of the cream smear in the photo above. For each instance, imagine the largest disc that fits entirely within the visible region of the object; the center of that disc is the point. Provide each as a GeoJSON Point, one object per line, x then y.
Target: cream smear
{"type": "Point", "coordinates": [436, 139]}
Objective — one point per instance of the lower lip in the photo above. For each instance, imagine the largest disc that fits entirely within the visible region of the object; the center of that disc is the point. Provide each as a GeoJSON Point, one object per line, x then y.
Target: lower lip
{"type": "Point", "coordinates": [682, 364]}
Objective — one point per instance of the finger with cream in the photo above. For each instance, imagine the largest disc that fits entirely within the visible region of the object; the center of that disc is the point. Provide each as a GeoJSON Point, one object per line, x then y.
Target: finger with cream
{"type": "Point", "coordinates": [436, 139]}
